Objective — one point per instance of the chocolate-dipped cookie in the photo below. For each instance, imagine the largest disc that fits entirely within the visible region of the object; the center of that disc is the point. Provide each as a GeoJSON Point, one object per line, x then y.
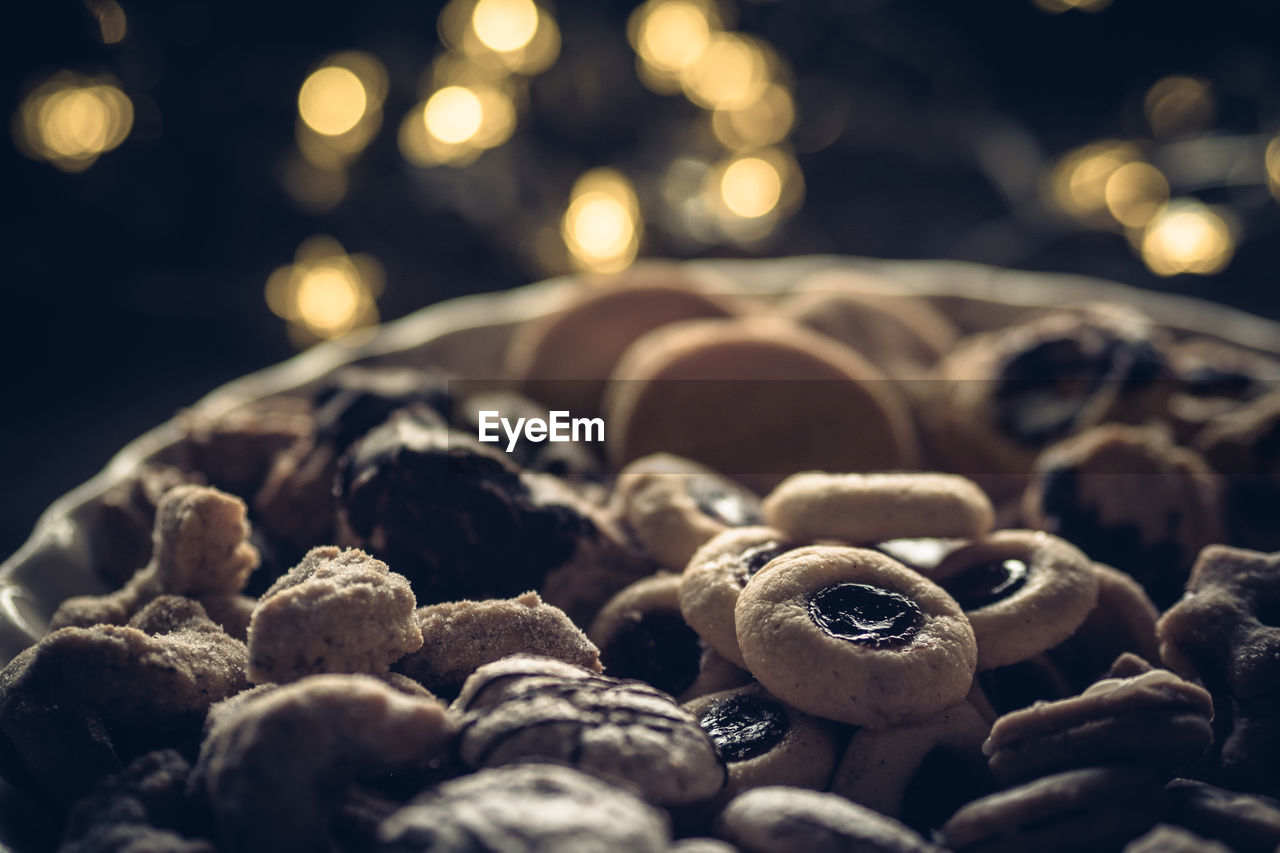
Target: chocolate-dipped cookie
{"type": "Point", "coordinates": [851, 635]}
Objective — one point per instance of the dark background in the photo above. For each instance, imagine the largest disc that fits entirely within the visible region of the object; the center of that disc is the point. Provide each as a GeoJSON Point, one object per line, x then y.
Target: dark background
{"type": "Point", "coordinates": [134, 287]}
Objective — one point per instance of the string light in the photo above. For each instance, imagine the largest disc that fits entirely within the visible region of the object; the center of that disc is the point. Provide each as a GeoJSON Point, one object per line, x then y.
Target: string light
{"type": "Point", "coordinates": [1135, 193]}
{"type": "Point", "coordinates": [505, 25]}
{"type": "Point", "coordinates": [340, 109]}
{"type": "Point", "coordinates": [730, 73]}
{"type": "Point", "coordinates": [112, 22]}
{"type": "Point", "coordinates": [70, 120]}
{"type": "Point", "coordinates": [1272, 161]}
{"type": "Point", "coordinates": [1187, 236]}
{"type": "Point", "coordinates": [325, 293]}
{"type": "Point", "coordinates": [332, 100]}
{"type": "Point", "coordinates": [601, 226]}
{"type": "Point", "coordinates": [766, 120]}
{"type": "Point", "coordinates": [1179, 105]}
{"type": "Point", "coordinates": [453, 114]}
{"type": "Point", "coordinates": [1078, 182]}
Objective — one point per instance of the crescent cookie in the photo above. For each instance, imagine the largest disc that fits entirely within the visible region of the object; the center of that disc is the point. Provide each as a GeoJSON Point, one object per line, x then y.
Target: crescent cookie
{"type": "Point", "coordinates": [756, 399]}
{"type": "Point", "coordinates": [672, 506]}
{"type": "Point", "coordinates": [716, 576]}
{"type": "Point", "coordinates": [852, 635]}
{"type": "Point", "coordinates": [867, 508]}
{"type": "Point", "coordinates": [1023, 591]}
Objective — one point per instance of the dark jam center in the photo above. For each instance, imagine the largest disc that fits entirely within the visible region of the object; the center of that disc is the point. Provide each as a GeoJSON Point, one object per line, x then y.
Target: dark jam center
{"type": "Point", "coordinates": [724, 502]}
{"type": "Point", "coordinates": [865, 614]}
{"type": "Point", "coordinates": [744, 727]}
{"type": "Point", "coordinates": [658, 647]}
{"type": "Point", "coordinates": [757, 557]}
{"type": "Point", "coordinates": [987, 583]}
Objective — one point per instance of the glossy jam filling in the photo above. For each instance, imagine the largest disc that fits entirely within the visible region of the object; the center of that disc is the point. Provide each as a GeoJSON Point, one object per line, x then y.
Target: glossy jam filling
{"type": "Point", "coordinates": [865, 614]}
{"type": "Point", "coordinates": [744, 727]}
{"type": "Point", "coordinates": [724, 502]}
{"type": "Point", "coordinates": [987, 583]}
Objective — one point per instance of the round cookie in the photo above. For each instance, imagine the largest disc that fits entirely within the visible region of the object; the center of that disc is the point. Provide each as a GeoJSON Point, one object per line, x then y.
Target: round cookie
{"type": "Point", "coordinates": [715, 577]}
{"type": "Point", "coordinates": [851, 635]}
{"type": "Point", "coordinates": [781, 819]}
{"type": "Point", "coordinates": [1000, 397]}
{"type": "Point", "coordinates": [1152, 719]}
{"type": "Point", "coordinates": [564, 359]}
{"type": "Point", "coordinates": [919, 773]}
{"type": "Point", "coordinates": [864, 508]}
{"type": "Point", "coordinates": [1128, 497]}
{"type": "Point", "coordinates": [1023, 591]}
{"type": "Point", "coordinates": [642, 635]}
{"type": "Point", "coordinates": [756, 399]}
{"type": "Point", "coordinates": [903, 333]}
{"type": "Point", "coordinates": [1213, 378]}
{"type": "Point", "coordinates": [672, 506]}
{"type": "Point", "coordinates": [1099, 808]}
{"type": "Point", "coordinates": [764, 742]}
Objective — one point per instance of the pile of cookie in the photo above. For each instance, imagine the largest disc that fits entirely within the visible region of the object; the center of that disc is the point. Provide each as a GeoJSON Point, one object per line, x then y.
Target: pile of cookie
{"type": "Point", "coordinates": [840, 578]}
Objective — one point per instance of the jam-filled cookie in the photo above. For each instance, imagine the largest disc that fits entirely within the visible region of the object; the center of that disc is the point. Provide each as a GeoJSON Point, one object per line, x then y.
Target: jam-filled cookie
{"type": "Point", "coordinates": [756, 399]}
{"type": "Point", "coordinates": [716, 576]}
{"type": "Point", "coordinates": [1000, 397]}
{"type": "Point", "coordinates": [765, 742]}
{"type": "Point", "coordinates": [920, 773]}
{"type": "Point", "coordinates": [1096, 808]}
{"type": "Point", "coordinates": [851, 635]}
{"type": "Point", "coordinates": [564, 359]}
{"type": "Point", "coordinates": [1128, 497]}
{"type": "Point", "coordinates": [865, 508]}
{"type": "Point", "coordinates": [642, 634]}
{"type": "Point", "coordinates": [1023, 591]}
{"type": "Point", "coordinates": [672, 506]}
{"type": "Point", "coordinates": [903, 333]}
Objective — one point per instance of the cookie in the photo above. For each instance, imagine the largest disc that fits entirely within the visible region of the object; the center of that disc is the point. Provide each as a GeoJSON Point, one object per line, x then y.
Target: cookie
{"type": "Point", "coordinates": [1128, 497]}
{"type": "Point", "coordinates": [1095, 808]}
{"type": "Point", "coordinates": [336, 611]}
{"type": "Point", "coordinates": [124, 518]}
{"type": "Point", "coordinates": [765, 742]}
{"type": "Point", "coordinates": [781, 819]}
{"type": "Point", "coordinates": [920, 773]}
{"type": "Point", "coordinates": [849, 634]}
{"type": "Point", "coordinates": [1153, 719]}
{"type": "Point", "coordinates": [642, 635]}
{"type": "Point", "coordinates": [904, 334]}
{"type": "Point", "coordinates": [459, 637]}
{"type": "Point", "coordinates": [1001, 397]}
{"type": "Point", "coordinates": [715, 577]}
{"type": "Point", "coordinates": [273, 759]}
{"type": "Point", "coordinates": [1213, 378]}
{"type": "Point", "coordinates": [1243, 822]}
{"type": "Point", "coordinates": [1171, 839]}
{"type": "Point", "coordinates": [533, 806]}
{"type": "Point", "coordinates": [629, 733]}
{"type": "Point", "coordinates": [866, 508]}
{"type": "Point", "coordinates": [1019, 685]}
{"type": "Point", "coordinates": [1023, 591]}
{"type": "Point", "coordinates": [1244, 446]}
{"type": "Point", "coordinates": [672, 506]}
{"type": "Point", "coordinates": [1122, 622]}
{"type": "Point", "coordinates": [564, 359]}
{"type": "Point", "coordinates": [757, 400]}
{"type": "Point", "coordinates": [234, 450]}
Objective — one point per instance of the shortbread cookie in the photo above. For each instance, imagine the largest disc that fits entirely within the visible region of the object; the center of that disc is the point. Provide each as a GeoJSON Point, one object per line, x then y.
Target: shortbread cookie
{"type": "Point", "coordinates": [1153, 719]}
{"type": "Point", "coordinates": [851, 635]}
{"type": "Point", "coordinates": [765, 742]}
{"type": "Point", "coordinates": [920, 773]}
{"type": "Point", "coordinates": [628, 732]}
{"type": "Point", "coordinates": [866, 508]}
{"type": "Point", "coordinates": [672, 506]}
{"type": "Point", "coordinates": [757, 400]}
{"type": "Point", "coordinates": [1096, 808]}
{"type": "Point", "coordinates": [564, 359]}
{"type": "Point", "coordinates": [641, 634]}
{"type": "Point", "coordinates": [1128, 497]}
{"type": "Point", "coordinates": [533, 807]}
{"type": "Point", "coordinates": [715, 577]}
{"type": "Point", "coordinates": [1023, 591]}
{"type": "Point", "coordinates": [781, 819]}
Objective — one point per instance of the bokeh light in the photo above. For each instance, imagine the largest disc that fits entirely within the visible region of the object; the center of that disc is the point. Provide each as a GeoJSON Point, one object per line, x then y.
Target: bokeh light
{"type": "Point", "coordinates": [602, 225]}
{"type": "Point", "coordinates": [70, 120]}
{"type": "Point", "coordinates": [1178, 105]}
{"type": "Point", "coordinates": [453, 114]}
{"type": "Point", "coordinates": [1187, 236]}
{"type": "Point", "coordinates": [731, 72]}
{"type": "Point", "coordinates": [332, 100]}
{"type": "Point", "coordinates": [1056, 7]}
{"type": "Point", "coordinates": [750, 187]}
{"type": "Point", "coordinates": [765, 120]}
{"type": "Point", "coordinates": [1078, 183]}
{"type": "Point", "coordinates": [668, 36]}
{"type": "Point", "coordinates": [325, 293]}
{"type": "Point", "coordinates": [1135, 192]}
{"type": "Point", "coordinates": [750, 193]}
{"type": "Point", "coordinates": [113, 24]}
{"type": "Point", "coordinates": [505, 25]}
{"type": "Point", "coordinates": [1272, 161]}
